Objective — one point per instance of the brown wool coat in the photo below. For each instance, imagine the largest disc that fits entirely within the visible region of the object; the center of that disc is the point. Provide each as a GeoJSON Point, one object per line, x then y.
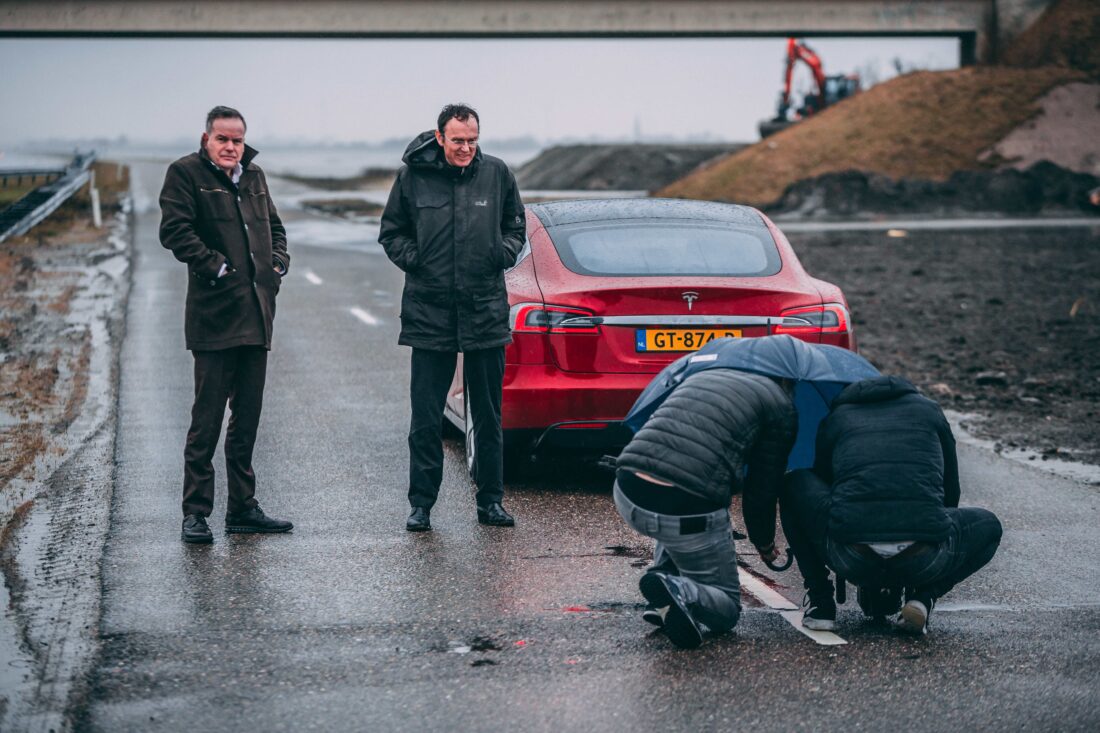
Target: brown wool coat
{"type": "Point", "coordinates": [207, 221]}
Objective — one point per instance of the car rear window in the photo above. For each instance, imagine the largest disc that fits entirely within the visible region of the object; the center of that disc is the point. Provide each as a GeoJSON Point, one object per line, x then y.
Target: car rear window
{"type": "Point", "coordinates": [648, 247]}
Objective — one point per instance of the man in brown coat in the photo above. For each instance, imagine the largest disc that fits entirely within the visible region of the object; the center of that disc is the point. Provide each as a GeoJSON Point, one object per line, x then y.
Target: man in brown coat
{"type": "Point", "coordinates": [218, 218]}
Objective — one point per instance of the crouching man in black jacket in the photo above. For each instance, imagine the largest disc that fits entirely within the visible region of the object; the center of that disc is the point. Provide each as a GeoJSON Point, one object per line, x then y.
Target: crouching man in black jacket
{"type": "Point", "coordinates": [881, 507]}
{"type": "Point", "coordinates": [674, 483]}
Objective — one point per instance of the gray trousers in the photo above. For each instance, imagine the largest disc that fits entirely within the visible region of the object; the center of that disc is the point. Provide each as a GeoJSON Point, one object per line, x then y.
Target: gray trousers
{"type": "Point", "coordinates": [697, 555]}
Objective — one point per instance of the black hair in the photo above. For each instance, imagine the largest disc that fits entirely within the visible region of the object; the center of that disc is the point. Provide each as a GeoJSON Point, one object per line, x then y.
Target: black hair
{"type": "Point", "coordinates": [460, 112]}
{"type": "Point", "coordinates": [223, 113]}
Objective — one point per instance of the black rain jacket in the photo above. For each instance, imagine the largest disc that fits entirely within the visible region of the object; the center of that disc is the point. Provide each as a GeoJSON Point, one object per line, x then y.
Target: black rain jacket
{"type": "Point", "coordinates": [716, 426]}
{"type": "Point", "coordinates": [206, 221]}
{"type": "Point", "coordinates": [453, 231]}
{"type": "Point", "coordinates": [889, 455]}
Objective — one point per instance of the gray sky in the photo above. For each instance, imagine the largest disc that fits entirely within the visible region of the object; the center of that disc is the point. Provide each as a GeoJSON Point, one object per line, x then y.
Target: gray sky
{"type": "Point", "coordinates": [350, 90]}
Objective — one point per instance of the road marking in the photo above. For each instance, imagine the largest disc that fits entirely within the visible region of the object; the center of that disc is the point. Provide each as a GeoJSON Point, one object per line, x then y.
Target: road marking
{"type": "Point", "coordinates": [825, 638]}
{"type": "Point", "coordinates": [312, 277]}
{"type": "Point", "coordinates": [365, 317]}
{"type": "Point", "coordinates": [788, 610]}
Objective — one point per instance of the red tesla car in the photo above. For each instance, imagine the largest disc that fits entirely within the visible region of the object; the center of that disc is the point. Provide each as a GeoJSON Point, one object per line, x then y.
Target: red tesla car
{"type": "Point", "coordinates": [607, 292]}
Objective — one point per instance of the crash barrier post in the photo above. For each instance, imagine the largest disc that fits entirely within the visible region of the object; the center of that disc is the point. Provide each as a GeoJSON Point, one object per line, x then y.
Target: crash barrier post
{"type": "Point", "coordinates": [93, 192]}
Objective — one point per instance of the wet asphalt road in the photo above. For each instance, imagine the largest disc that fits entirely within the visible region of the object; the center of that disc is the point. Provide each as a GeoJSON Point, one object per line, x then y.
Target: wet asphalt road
{"type": "Point", "coordinates": [351, 623]}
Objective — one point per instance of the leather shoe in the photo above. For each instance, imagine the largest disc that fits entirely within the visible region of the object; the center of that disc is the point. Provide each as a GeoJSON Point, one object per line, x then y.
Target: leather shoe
{"type": "Point", "coordinates": [495, 516]}
{"type": "Point", "coordinates": [419, 519]}
{"type": "Point", "coordinates": [253, 521]}
{"type": "Point", "coordinates": [195, 530]}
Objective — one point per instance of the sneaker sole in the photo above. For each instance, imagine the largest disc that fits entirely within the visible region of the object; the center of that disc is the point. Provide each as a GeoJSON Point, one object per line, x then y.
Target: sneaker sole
{"type": "Point", "coordinates": [652, 616]}
{"type": "Point", "coordinates": [678, 626]}
{"type": "Point", "coordinates": [255, 530]}
{"type": "Point", "coordinates": [197, 540]}
{"type": "Point", "coordinates": [913, 621]}
{"type": "Point", "coordinates": [817, 624]}
{"type": "Point", "coordinates": [419, 528]}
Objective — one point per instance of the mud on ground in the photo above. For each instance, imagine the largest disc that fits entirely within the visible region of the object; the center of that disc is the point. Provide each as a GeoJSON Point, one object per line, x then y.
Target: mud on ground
{"type": "Point", "coordinates": [44, 351]}
{"type": "Point", "coordinates": [62, 296]}
{"type": "Point", "coordinates": [1002, 324]}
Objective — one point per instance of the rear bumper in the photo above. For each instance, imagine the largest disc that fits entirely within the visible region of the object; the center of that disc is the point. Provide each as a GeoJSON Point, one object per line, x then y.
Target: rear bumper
{"type": "Point", "coordinates": [538, 396]}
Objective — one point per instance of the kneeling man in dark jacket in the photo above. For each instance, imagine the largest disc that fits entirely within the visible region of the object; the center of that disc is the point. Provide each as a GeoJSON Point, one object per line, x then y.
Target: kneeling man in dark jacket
{"type": "Point", "coordinates": [881, 507]}
{"type": "Point", "coordinates": [674, 483]}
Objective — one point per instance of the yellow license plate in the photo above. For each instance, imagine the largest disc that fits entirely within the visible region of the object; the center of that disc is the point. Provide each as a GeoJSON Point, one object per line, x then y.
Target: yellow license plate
{"type": "Point", "coordinates": [678, 339]}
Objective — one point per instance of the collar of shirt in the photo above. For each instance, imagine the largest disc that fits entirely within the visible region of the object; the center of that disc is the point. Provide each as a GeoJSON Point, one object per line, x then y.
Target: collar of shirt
{"type": "Point", "coordinates": [237, 171]}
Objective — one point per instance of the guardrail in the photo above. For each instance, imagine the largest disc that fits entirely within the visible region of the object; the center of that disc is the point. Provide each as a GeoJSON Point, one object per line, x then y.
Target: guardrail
{"type": "Point", "coordinates": [15, 177]}
{"type": "Point", "coordinates": [18, 218]}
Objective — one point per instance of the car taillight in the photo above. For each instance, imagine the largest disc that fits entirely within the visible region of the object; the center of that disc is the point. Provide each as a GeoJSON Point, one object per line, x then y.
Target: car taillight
{"type": "Point", "coordinates": [828, 318]}
{"type": "Point", "coordinates": [540, 318]}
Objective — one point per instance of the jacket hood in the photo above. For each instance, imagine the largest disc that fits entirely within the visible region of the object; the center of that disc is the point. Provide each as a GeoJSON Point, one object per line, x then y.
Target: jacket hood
{"type": "Point", "coordinates": [425, 152]}
{"type": "Point", "coordinates": [249, 153]}
{"type": "Point", "coordinates": [878, 389]}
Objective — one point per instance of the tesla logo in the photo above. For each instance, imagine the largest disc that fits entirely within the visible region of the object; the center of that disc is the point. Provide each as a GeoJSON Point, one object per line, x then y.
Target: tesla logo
{"type": "Point", "coordinates": [690, 297]}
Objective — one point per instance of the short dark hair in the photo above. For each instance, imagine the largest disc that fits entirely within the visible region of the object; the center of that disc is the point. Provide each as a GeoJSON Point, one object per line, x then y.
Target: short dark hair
{"type": "Point", "coordinates": [460, 112]}
{"type": "Point", "coordinates": [223, 113]}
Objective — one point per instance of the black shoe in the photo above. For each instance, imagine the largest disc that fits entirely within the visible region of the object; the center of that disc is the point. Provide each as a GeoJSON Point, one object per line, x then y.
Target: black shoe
{"type": "Point", "coordinates": [820, 613]}
{"type": "Point", "coordinates": [664, 595]}
{"type": "Point", "coordinates": [495, 516]}
{"type": "Point", "coordinates": [419, 520]}
{"type": "Point", "coordinates": [195, 530]}
{"type": "Point", "coordinates": [878, 603]}
{"type": "Point", "coordinates": [252, 521]}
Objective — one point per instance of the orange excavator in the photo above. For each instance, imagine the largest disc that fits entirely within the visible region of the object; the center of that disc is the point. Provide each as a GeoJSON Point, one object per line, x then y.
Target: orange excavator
{"type": "Point", "coordinates": [828, 90]}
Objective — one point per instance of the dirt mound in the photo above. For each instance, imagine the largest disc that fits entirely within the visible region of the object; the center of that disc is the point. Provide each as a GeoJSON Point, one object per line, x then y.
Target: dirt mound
{"type": "Point", "coordinates": [1066, 34]}
{"type": "Point", "coordinates": [1042, 188]}
{"type": "Point", "coordinates": [925, 125]}
{"type": "Point", "coordinates": [1067, 132]}
{"type": "Point", "coordinates": [629, 167]}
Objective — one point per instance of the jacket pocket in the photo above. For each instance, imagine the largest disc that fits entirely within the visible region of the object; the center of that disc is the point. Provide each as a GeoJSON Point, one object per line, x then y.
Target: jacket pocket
{"type": "Point", "coordinates": [433, 214]}
{"type": "Point", "coordinates": [214, 310]}
{"type": "Point", "coordinates": [258, 204]}
{"type": "Point", "coordinates": [217, 204]}
{"type": "Point", "coordinates": [488, 316]}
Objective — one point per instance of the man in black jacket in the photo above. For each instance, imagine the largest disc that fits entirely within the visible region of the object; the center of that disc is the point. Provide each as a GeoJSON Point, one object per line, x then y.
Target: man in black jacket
{"type": "Point", "coordinates": [217, 217]}
{"type": "Point", "coordinates": [454, 222]}
{"type": "Point", "coordinates": [675, 481]}
{"type": "Point", "coordinates": [881, 507]}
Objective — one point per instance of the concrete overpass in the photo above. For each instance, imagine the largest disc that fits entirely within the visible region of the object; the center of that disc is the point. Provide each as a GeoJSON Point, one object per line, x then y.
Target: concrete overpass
{"type": "Point", "coordinates": [982, 26]}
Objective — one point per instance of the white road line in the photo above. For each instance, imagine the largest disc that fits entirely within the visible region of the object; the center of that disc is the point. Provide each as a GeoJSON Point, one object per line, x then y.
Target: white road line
{"type": "Point", "coordinates": [312, 277]}
{"type": "Point", "coordinates": [786, 609]}
{"type": "Point", "coordinates": [365, 317]}
{"type": "Point", "coordinates": [825, 638]}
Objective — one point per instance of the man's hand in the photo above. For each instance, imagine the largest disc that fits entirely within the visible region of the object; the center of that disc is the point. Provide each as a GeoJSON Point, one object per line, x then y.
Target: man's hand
{"type": "Point", "coordinates": [769, 554]}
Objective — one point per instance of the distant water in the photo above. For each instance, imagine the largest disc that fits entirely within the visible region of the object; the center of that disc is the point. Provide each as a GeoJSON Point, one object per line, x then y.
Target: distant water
{"type": "Point", "coordinates": [17, 159]}
{"type": "Point", "coordinates": [330, 162]}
